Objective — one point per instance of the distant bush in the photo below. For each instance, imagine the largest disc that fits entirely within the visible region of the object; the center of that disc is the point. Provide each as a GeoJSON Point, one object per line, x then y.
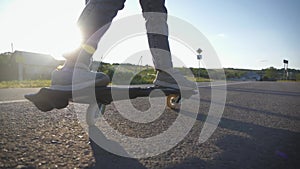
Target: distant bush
{"type": "Point", "coordinates": [25, 84]}
{"type": "Point", "coordinates": [271, 74]}
{"type": "Point", "coordinates": [145, 76]}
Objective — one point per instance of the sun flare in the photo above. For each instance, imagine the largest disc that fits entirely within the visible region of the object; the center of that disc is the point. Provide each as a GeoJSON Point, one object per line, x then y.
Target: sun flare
{"type": "Point", "coordinates": [42, 26]}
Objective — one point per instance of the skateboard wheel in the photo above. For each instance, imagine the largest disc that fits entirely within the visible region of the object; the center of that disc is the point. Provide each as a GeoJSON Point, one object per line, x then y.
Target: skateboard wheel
{"type": "Point", "coordinates": [173, 101]}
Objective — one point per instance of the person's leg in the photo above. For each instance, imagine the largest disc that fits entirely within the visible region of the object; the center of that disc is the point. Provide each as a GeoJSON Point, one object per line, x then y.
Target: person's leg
{"type": "Point", "coordinates": [97, 14]}
{"type": "Point", "coordinates": [155, 14]}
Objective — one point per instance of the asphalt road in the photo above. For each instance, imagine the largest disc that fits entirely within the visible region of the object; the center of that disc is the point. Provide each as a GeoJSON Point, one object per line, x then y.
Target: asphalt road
{"type": "Point", "coordinates": [259, 129]}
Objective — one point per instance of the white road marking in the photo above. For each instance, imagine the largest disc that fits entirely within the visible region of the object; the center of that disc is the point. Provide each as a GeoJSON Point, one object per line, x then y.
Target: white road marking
{"type": "Point", "coordinates": [13, 101]}
{"type": "Point", "coordinates": [225, 84]}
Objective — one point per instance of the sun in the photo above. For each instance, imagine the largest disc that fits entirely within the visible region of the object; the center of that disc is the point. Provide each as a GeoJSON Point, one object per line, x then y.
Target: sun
{"type": "Point", "coordinates": [47, 26]}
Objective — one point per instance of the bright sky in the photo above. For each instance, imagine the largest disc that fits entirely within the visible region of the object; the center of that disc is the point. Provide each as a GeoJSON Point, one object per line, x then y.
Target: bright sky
{"type": "Point", "coordinates": [251, 34]}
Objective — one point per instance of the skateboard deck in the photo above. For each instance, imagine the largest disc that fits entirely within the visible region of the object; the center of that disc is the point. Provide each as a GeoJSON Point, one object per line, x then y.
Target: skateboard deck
{"type": "Point", "coordinates": [47, 99]}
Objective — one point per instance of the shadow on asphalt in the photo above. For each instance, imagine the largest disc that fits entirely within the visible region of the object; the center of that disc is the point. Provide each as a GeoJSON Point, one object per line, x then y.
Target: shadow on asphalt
{"type": "Point", "coordinates": [107, 160]}
{"type": "Point", "coordinates": [261, 91]}
{"type": "Point", "coordinates": [254, 110]}
{"type": "Point", "coordinates": [264, 147]}
{"type": "Point", "coordinates": [248, 146]}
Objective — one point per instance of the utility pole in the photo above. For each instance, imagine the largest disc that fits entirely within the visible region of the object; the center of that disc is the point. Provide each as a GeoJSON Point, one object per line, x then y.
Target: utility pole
{"type": "Point", "coordinates": [12, 47]}
{"type": "Point", "coordinates": [139, 64]}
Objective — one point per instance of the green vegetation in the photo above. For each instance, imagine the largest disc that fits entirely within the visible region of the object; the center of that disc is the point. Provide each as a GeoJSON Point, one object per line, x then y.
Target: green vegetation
{"type": "Point", "coordinates": [271, 74]}
{"type": "Point", "coordinates": [122, 73]}
{"type": "Point", "coordinates": [235, 73]}
{"type": "Point", "coordinates": [25, 84]}
{"type": "Point", "coordinates": [199, 79]}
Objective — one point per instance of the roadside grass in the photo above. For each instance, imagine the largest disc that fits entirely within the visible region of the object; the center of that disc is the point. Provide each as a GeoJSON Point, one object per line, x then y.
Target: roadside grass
{"type": "Point", "coordinates": [25, 84]}
{"type": "Point", "coordinates": [46, 83]}
{"type": "Point", "coordinates": [199, 79]}
{"type": "Point", "coordinates": [288, 80]}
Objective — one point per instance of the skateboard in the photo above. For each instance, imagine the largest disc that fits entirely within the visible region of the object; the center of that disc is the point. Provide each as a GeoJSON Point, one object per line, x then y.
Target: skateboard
{"type": "Point", "coordinates": [47, 99]}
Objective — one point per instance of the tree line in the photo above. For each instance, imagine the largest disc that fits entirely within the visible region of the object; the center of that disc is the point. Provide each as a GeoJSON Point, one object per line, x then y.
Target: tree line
{"type": "Point", "coordinates": [146, 74]}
